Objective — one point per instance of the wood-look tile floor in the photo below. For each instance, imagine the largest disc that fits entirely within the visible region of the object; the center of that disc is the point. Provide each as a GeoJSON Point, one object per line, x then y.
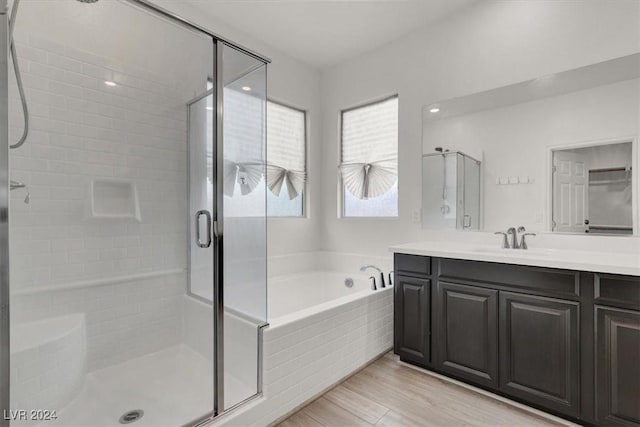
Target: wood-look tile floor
{"type": "Point", "coordinates": [387, 393]}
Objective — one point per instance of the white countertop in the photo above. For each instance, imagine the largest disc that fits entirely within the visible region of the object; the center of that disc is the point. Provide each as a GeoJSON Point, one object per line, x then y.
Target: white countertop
{"type": "Point", "coordinates": [582, 260]}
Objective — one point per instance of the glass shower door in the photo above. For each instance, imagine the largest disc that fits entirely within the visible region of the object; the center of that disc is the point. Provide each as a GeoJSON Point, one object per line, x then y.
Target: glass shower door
{"type": "Point", "coordinates": [198, 322]}
{"type": "Point", "coordinates": [201, 203]}
{"type": "Point", "coordinates": [227, 224]}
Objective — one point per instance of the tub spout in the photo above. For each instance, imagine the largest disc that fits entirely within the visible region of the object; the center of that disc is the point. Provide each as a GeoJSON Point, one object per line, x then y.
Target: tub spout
{"type": "Point", "coordinates": [366, 267]}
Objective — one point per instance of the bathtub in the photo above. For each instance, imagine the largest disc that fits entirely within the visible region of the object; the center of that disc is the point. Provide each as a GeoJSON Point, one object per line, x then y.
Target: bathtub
{"type": "Point", "coordinates": [299, 295]}
{"type": "Point", "coordinates": [320, 331]}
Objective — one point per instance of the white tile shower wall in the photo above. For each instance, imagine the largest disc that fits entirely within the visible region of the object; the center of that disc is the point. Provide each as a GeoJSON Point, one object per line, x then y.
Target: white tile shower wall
{"type": "Point", "coordinates": [124, 319]}
{"type": "Point", "coordinates": [303, 358]}
{"type": "Point", "coordinates": [82, 129]}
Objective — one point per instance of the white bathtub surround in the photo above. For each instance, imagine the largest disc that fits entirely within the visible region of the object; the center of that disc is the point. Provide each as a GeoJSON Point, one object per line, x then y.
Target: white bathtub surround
{"type": "Point", "coordinates": [49, 362]}
{"type": "Point", "coordinates": [306, 354]}
{"type": "Point", "coordinates": [601, 254]}
{"type": "Point", "coordinates": [126, 317]}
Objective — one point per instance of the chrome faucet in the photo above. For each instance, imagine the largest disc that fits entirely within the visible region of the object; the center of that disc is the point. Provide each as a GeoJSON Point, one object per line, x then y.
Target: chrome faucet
{"type": "Point", "coordinates": [505, 241]}
{"type": "Point", "coordinates": [366, 267]}
{"type": "Point", "coordinates": [515, 244]}
{"type": "Point", "coordinates": [514, 238]}
{"type": "Point", "coordinates": [523, 241]}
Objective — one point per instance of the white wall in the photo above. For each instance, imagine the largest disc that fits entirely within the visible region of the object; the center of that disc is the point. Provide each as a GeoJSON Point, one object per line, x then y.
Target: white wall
{"type": "Point", "coordinates": [296, 84]}
{"type": "Point", "coordinates": [489, 45]}
{"type": "Point", "coordinates": [515, 140]}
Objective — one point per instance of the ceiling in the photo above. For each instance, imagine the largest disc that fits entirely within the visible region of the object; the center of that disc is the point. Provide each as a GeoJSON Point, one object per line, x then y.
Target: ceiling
{"type": "Point", "coordinates": [326, 32]}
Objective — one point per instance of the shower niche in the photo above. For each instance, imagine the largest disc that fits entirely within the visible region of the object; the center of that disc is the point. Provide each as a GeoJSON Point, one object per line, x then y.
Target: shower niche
{"type": "Point", "coordinates": [113, 199]}
{"type": "Point", "coordinates": [450, 191]}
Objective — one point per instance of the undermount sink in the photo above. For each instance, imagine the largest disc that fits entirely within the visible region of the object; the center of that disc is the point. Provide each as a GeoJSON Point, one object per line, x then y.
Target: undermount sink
{"type": "Point", "coordinates": [516, 252]}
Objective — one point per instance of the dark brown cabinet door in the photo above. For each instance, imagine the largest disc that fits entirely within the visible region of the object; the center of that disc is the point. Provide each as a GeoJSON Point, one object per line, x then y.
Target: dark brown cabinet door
{"type": "Point", "coordinates": [412, 319]}
{"type": "Point", "coordinates": [539, 351]}
{"type": "Point", "coordinates": [617, 367]}
{"type": "Point", "coordinates": [467, 332]}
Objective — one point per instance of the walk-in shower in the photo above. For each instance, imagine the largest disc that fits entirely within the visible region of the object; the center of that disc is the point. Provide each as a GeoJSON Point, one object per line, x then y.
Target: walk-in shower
{"type": "Point", "coordinates": [144, 144]}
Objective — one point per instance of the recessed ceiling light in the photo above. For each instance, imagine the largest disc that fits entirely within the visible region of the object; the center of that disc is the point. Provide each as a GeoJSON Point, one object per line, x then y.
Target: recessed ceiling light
{"type": "Point", "coordinates": [210, 108]}
{"type": "Point", "coordinates": [110, 83]}
{"type": "Point", "coordinates": [434, 110]}
{"type": "Point", "coordinates": [246, 88]}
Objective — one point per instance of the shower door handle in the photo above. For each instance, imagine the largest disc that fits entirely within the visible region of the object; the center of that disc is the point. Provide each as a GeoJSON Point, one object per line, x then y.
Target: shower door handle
{"type": "Point", "coordinates": [208, 242]}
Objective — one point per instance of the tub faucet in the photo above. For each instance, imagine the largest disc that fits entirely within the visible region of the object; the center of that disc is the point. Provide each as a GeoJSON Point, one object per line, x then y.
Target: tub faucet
{"type": "Point", "coordinates": [365, 267]}
{"type": "Point", "coordinates": [373, 283]}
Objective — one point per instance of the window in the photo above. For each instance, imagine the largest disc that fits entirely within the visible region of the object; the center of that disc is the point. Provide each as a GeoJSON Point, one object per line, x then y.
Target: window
{"type": "Point", "coordinates": [286, 160]}
{"type": "Point", "coordinates": [369, 160]}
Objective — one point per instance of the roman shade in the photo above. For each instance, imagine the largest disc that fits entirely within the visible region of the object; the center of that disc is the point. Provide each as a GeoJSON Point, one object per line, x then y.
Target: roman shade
{"type": "Point", "coordinates": [243, 141]}
{"type": "Point", "coordinates": [286, 160]}
{"type": "Point", "coordinates": [369, 165]}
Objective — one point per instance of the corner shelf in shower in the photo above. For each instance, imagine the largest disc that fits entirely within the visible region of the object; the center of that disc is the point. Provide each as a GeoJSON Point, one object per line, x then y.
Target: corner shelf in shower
{"type": "Point", "coordinates": [113, 199]}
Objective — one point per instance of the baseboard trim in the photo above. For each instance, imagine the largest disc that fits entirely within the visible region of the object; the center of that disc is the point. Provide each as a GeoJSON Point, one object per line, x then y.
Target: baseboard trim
{"type": "Point", "coordinates": [518, 405]}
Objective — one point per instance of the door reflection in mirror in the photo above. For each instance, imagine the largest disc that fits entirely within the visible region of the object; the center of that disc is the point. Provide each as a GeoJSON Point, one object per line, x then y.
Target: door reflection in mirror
{"type": "Point", "coordinates": [592, 189]}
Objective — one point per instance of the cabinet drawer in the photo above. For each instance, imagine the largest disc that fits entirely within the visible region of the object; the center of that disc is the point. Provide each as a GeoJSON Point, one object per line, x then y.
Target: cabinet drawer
{"type": "Point", "coordinates": [618, 291]}
{"type": "Point", "coordinates": [412, 264]}
{"type": "Point", "coordinates": [546, 281]}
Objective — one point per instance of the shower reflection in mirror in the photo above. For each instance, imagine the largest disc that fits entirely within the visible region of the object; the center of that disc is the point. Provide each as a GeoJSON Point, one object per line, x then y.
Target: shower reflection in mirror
{"type": "Point", "coordinates": [450, 190]}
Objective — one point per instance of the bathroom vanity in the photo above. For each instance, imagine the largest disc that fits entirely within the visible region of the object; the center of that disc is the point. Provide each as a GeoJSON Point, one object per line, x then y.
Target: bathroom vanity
{"type": "Point", "coordinates": [541, 329]}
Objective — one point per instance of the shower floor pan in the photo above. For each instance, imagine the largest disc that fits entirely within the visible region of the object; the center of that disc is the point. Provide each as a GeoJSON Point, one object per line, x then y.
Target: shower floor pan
{"type": "Point", "coordinates": [172, 387]}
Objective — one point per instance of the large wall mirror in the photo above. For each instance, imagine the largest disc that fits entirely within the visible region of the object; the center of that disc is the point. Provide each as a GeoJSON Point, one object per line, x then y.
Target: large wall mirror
{"type": "Point", "coordinates": [558, 153]}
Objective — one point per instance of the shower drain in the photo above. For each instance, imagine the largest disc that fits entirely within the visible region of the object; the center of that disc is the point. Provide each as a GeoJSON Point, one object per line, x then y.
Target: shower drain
{"type": "Point", "coordinates": [131, 416]}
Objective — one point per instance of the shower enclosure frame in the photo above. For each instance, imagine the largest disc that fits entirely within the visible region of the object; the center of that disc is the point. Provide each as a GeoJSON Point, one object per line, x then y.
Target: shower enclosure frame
{"type": "Point", "coordinates": [217, 231]}
{"type": "Point", "coordinates": [4, 213]}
